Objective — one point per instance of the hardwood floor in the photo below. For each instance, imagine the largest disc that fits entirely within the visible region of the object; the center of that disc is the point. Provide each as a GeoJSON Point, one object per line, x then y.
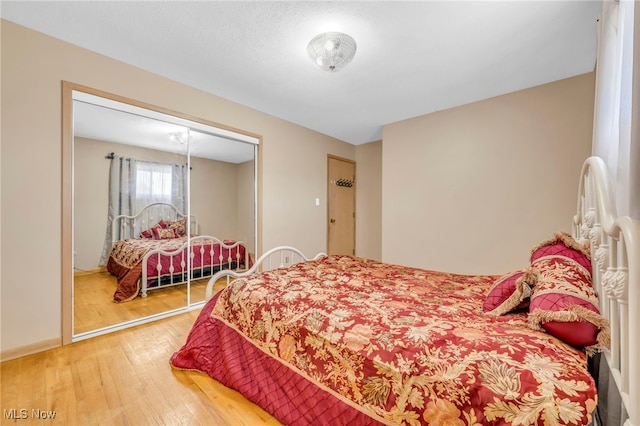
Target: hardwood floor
{"type": "Point", "coordinates": [94, 308]}
{"type": "Point", "coordinates": [121, 378]}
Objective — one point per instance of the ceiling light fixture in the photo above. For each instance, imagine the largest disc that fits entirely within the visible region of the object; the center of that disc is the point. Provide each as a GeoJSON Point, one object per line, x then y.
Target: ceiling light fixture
{"type": "Point", "coordinates": [332, 51]}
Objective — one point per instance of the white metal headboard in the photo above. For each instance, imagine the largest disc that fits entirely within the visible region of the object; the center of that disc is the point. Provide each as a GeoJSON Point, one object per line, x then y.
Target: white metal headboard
{"type": "Point", "coordinates": [615, 254]}
{"type": "Point", "coordinates": [124, 226]}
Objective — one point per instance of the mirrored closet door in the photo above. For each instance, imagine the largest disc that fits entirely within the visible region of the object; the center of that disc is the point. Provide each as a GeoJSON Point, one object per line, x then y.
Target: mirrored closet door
{"type": "Point", "coordinates": [223, 185]}
{"type": "Point", "coordinates": [159, 203]}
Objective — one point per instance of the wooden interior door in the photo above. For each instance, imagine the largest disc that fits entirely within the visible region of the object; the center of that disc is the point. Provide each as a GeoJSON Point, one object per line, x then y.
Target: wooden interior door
{"type": "Point", "coordinates": [341, 206]}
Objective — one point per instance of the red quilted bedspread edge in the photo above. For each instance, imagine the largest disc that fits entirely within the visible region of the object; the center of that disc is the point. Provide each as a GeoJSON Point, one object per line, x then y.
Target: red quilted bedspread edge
{"type": "Point", "coordinates": [217, 350]}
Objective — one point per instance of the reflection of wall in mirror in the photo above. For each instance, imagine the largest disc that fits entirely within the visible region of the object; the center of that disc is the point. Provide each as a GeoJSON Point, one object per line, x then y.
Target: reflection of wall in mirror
{"type": "Point", "coordinates": [214, 195]}
{"type": "Point", "coordinates": [246, 205]}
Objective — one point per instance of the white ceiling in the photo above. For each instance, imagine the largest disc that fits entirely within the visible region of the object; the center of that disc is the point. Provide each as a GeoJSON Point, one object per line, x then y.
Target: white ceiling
{"type": "Point", "coordinates": [112, 121]}
{"type": "Point", "coordinates": [413, 58]}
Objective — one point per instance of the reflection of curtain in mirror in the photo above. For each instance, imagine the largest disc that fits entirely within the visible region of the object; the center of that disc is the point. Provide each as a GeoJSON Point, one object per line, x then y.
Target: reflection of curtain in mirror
{"type": "Point", "coordinates": [612, 118]}
{"type": "Point", "coordinates": [135, 184]}
{"type": "Point", "coordinates": [179, 188]}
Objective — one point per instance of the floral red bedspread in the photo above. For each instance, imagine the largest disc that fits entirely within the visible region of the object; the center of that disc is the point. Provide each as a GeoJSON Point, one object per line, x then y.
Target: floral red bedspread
{"type": "Point", "coordinates": [394, 344]}
{"type": "Point", "coordinates": [126, 261]}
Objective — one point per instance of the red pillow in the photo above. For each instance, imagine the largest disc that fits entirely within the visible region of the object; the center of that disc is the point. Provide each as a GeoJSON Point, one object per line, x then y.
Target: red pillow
{"type": "Point", "coordinates": [564, 245]}
{"type": "Point", "coordinates": [149, 232]}
{"type": "Point", "coordinates": [164, 233]}
{"type": "Point", "coordinates": [510, 292]}
{"type": "Point", "coordinates": [564, 303]}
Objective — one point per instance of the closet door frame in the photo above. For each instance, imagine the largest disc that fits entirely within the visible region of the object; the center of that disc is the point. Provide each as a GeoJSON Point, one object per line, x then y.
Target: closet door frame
{"type": "Point", "coordinates": [67, 225]}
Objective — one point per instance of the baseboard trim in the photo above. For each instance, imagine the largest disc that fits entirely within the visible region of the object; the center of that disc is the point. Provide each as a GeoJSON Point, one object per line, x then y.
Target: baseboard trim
{"type": "Point", "coordinates": [98, 270]}
{"type": "Point", "coordinates": [31, 349]}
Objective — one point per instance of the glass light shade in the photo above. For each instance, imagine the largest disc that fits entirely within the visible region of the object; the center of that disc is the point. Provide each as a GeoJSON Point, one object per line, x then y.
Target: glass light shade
{"type": "Point", "coordinates": [332, 51]}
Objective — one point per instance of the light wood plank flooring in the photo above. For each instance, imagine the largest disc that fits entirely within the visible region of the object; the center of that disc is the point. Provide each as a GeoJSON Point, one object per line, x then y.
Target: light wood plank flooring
{"type": "Point", "coordinates": [94, 308]}
{"type": "Point", "coordinates": [122, 378]}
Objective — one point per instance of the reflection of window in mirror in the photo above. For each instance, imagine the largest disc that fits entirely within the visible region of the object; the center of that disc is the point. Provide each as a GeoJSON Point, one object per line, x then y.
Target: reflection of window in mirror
{"type": "Point", "coordinates": [153, 182]}
{"type": "Point", "coordinates": [178, 171]}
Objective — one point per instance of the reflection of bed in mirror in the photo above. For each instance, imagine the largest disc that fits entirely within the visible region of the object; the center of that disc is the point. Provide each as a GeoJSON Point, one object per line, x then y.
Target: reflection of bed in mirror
{"type": "Point", "coordinates": [152, 250]}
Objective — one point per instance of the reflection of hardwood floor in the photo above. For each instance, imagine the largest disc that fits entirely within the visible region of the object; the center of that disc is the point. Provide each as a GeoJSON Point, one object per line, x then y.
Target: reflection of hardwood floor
{"type": "Point", "coordinates": [123, 378]}
{"type": "Point", "coordinates": [94, 308]}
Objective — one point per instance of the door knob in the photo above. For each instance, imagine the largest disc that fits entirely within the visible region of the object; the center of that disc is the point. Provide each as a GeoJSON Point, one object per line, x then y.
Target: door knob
{"type": "Point", "coordinates": [332, 220]}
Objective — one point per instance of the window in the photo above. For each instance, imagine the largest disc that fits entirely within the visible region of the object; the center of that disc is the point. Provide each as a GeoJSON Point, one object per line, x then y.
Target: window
{"type": "Point", "coordinates": [613, 116]}
{"type": "Point", "coordinates": [153, 181]}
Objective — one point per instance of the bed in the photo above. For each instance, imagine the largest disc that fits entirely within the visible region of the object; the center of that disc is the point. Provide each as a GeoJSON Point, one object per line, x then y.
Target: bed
{"type": "Point", "coordinates": [151, 250]}
{"type": "Point", "coordinates": [344, 340]}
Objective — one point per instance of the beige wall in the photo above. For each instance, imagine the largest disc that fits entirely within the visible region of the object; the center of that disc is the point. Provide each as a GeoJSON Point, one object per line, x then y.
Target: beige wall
{"type": "Point", "coordinates": [369, 200]}
{"type": "Point", "coordinates": [472, 189]}
{"type": "Point", "coordinates": [214, 197]}
{"type": "Point", "coordinates": [245, 208]}
{"type": "Point", "coordinates": [91, 201]}
{"type": "Point", "coordinates": [33, 66]}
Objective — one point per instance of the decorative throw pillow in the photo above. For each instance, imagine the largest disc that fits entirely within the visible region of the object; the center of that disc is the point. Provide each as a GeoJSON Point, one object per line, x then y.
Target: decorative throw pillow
{"type": "Point", "coordinates": [149, 232]}
{"type": "Point", "coordinates": [179, 226]}
{"type": "Point", "coordinates": [564, 303]}
{"type": "Point", "coordinates": [563, 244]}
{"type": "Point", "coordinates": [164, 233]}
{"type": "Point", "coordinates": [510, 292]}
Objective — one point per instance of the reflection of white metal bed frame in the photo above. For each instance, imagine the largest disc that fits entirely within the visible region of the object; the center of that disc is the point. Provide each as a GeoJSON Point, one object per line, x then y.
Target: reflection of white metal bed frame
{"type": "Point", "coordinates": [124, 226]}
{"type": "Point", "coordinates": [615, 250]}
{"type": "Point", "coordinates": [195, 272]}
{"type": "Point", "coordinates": [129, 226]}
